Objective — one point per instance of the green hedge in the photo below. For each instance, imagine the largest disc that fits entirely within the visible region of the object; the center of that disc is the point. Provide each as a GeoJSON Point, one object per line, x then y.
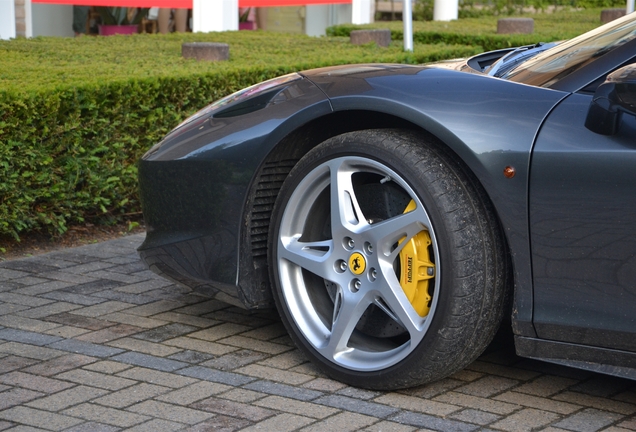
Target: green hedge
{"type": "Point", "coordinates": [548, 27]}
{"type": "Point", "coordinates": [76, 114]}
{"type": "Point", "coordinates": [423, 9]}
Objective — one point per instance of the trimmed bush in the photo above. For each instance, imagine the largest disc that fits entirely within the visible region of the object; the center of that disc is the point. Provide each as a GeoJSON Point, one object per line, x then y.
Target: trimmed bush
{"type": "Point", "coordinates": [77, 114]}
{"type": "Point", "coordinates": [548, 27]}
{"type": "Point", "coordinates": [423, 9]}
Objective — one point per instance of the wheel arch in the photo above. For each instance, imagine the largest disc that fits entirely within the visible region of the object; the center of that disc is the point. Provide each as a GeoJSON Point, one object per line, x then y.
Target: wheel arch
{"type": "Point", "coordinates": [253, 272]}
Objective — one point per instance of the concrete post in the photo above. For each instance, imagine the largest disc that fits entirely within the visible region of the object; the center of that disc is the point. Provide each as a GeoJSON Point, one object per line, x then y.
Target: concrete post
{"type": "Point", "coordinates": [382, 37]}
{"type": "Point", "coordinates": [515, 25]}
{"type": "Point", "coordinates": [445, 10]}
{"type": "Point", "coordinates": [210, 51]}
{"type": "Point", "coordinates": [214, 15]}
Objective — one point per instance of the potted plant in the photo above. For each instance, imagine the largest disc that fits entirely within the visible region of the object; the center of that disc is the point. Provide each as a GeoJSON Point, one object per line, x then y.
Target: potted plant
{"type": "Point", "coordinates": [246, 21]}
{"type": "Point", "coordinates": [120, 20]}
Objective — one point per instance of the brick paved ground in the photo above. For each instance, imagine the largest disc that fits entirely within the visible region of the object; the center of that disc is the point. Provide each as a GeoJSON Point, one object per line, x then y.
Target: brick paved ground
{"type": "Point", "coordinates": [91, 341]}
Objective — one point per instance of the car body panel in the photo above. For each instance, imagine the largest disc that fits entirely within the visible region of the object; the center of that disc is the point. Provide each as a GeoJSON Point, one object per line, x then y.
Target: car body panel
{"type": "Point", "coordinates": [465, 111]}
{"type": "Point", "coordinates": [568, 213]}
{"type": "Point", "coordinates": [468, 121]}
{"type": "Point", "coordinates": [189, 239]}
{"type": "Point", "coordinates": [583, 225]}
{"type": "Point", "coordinates": [603, 360]}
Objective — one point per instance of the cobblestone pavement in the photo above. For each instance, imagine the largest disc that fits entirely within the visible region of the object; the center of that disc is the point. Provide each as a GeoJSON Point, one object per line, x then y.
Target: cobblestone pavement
{"type": "Point", "coordinates": [91, 341]}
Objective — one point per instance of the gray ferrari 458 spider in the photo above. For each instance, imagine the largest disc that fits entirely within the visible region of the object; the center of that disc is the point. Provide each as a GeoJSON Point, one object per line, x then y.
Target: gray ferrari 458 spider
{"type": "Point", "coordinates": [396, 214]}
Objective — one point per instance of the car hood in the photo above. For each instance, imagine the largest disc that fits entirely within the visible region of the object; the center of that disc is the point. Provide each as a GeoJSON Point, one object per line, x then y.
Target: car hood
{"type": "Point", "coordinates": [363, 79]}
{"type": "Point", "coordinates": [372, 70]}
{"type": "Point", "coordinates": [503, 59]}
{"type": "Point", "coordinates": [384, 69]}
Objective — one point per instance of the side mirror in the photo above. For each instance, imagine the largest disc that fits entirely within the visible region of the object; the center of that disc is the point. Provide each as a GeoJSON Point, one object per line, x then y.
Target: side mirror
{"type": "Point", "coordinates": [617, 95]}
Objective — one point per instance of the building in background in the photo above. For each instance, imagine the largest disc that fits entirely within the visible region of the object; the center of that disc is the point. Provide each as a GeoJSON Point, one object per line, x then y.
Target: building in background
{"type": "Point", "coordinates": [30, 18]}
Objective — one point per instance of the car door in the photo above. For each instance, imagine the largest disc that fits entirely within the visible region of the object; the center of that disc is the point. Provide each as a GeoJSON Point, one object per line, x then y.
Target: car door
{"type": "Point", "coordinates": [582, 201]}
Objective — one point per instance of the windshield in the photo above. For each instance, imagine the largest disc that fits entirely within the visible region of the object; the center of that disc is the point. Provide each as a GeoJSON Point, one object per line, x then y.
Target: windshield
{"type": "Point", "coordinates": [556, 63]}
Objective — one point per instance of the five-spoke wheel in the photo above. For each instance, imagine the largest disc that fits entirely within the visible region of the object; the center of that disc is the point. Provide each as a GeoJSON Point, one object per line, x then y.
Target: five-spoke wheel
{"type": "Point", "coordinates": [363, 254]}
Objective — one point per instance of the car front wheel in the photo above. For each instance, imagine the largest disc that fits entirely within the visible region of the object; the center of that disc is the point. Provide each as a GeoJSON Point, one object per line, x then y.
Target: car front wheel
{"type": "Point", "coordinates": [386, 261]}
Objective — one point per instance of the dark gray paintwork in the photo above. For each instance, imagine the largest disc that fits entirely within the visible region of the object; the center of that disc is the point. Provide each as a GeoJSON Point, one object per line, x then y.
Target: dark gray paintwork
{"type": "Point", "coordinates": [583, 223]}
{"type": "Point", "coordinates": [199, 191]}
{"type": "Point", "coordinates": [469, 122]}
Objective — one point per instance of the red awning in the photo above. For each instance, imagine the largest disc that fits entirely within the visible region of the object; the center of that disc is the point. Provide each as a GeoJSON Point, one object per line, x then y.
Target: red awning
{"type": "Point", "coordinates": [187, 3]}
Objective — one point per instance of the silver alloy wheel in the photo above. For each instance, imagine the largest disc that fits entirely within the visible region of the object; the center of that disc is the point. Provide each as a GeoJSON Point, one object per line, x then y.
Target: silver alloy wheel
{"type": "Point", "coordinates": [339, 268]}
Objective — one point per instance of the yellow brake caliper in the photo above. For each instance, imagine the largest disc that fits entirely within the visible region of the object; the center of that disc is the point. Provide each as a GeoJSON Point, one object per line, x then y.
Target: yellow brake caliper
{"type": "Point", "coordinates": [417, 269]}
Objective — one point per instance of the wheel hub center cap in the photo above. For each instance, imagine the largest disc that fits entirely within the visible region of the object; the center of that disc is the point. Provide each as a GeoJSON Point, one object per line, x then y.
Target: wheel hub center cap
{"type": "Point", "coordinates": [357, 263]}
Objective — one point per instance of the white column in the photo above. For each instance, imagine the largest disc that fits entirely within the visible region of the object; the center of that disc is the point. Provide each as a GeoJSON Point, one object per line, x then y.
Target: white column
{"type": "Point", "coordinates": [630, 6]}
{"type": "Point", "coordinates": [407, 19]}
{"type": "Point", "coordinates": [28, 18]}
{"type": "Point", "coordinates": [7, 19]}
{"type": "Point", "coordinates": [361, 12]}
{"type": "Point", "coordinates": [214, 15]}
{"type": "Point", "coordinates": [445, 10]}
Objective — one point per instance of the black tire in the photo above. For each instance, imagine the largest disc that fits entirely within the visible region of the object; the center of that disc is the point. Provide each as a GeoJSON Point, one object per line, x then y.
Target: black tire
{"type": "Point", "coordinates": [366, 322]}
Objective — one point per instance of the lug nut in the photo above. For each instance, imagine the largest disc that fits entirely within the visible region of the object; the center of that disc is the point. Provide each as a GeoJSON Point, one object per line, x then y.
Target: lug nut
{"type": "Point", "coordinates": [351, 243]}
{"type": "Point", "coordinates": [368, 248]}
{"type": "Point", "coordinates": [340, 266]}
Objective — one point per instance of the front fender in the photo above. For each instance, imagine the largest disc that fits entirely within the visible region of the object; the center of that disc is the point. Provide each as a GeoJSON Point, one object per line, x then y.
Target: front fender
{"type": "Point", "coordinates": [489, 123]}
{"type": "Point", "coordinates": [194, 183]}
